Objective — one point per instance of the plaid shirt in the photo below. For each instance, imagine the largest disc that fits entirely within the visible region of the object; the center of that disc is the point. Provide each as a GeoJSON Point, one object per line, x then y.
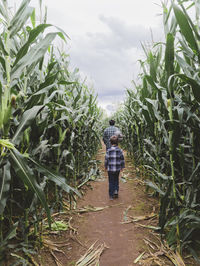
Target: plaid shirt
{"type": "Point", "coordinates": [109, 132]}
{"type": "Point", "coordinates": [114, 159]}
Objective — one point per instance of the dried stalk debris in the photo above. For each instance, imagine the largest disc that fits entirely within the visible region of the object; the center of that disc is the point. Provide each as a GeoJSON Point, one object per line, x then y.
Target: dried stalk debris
{"type": "Point", "coordinates": [90, 208]}
{"type": "Point", "coordinates": [157, 254]}
{"type": "Point", "coordinates": [130, 219]}
{"type": "Point", "coordinates": [92, 256]}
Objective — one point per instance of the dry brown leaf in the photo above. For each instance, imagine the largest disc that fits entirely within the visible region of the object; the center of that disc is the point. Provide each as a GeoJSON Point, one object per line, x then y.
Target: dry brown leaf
{"type": "Point", "coordinates": [58, 263]}
{"type": "Point", "coordinates": [92, 255]}
{"type": "Point", "coordinates": [52, 246]}
{"type": "Point", "coordinates": [90, 208]}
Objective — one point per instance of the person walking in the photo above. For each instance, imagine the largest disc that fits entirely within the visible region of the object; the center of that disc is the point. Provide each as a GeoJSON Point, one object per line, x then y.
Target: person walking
{"type": "Point", "coordinates": [109, 132]}
{"type": "Point", "coordinates": [114, 163]}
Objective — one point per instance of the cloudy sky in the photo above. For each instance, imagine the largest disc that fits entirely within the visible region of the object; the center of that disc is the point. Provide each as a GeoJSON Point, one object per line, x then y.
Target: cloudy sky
{"type": "Point", "coordinates": [105, 39]}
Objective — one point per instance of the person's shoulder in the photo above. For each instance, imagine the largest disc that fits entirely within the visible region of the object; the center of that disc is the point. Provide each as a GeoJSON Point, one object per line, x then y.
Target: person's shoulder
{"type": "Point", "coordinates": [120, 149]}
{"type": "Point", "coordinates": [108, 151]}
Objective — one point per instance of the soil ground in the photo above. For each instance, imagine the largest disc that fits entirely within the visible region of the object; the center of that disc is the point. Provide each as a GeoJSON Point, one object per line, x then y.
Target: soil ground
{"type": "Point", "coordinates": [125, 242]}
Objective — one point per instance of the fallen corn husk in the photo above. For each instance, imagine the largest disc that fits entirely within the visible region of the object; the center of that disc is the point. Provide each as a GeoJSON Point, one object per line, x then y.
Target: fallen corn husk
{"type": "Point", "coordinates": [126, 178]}
{"type": "Point", "coordinates": [58, 263]}
{"type": "Point", "coordinates": [90, 208]}
{"type": "Point", "coordinates": [126, 217]}
{"type": "Point", "coordinates": [92, 256]}
{"type": "Point", "coordinates": [139, 257]}
{"type": "Point", "coordinates": [139, 181]}
{"type": "Point", "coordinates": [156, 228]}
{"type": "Point", "coordinates": [54, 246]}
{"type": "Point", "coordinates": [156, 257]}
{"type": "Point", "coordinates": [131, 219]}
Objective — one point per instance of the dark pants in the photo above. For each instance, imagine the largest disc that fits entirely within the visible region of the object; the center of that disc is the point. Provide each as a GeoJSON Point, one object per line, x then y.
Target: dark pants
{"type": "Point", "coordinates": [113, 182]}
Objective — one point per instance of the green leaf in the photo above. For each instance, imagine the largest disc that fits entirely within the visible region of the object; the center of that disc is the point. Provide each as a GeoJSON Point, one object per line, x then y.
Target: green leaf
{"type": "Point", "coordinates": [193, 83]}
{"type": "Point", "coordinates": [64, 82]}
{"type": "Point", "coordinates": [2, 11]}
{"type": "Point", "coordinates": [151, 82]}
{"type": "Point", "coordinates": [186, 30]}
{"type": "Point", "coordinates": [11, 234]}
{"type": "Point", "coordinates": [2, 61]}
{"type": "Point", "coordinates": [25, 174]}
{"type": "Point", "coordinates": [4, 186]}
{"type": "Point", "coordinates": [33, 56]}
{"type": "Point", "coordinates": [187, 69]}
{"type": "Point", "coordinates": [27, 118]}
{"type": "Point", "coordinates": [152, 66]}
{"type": "Point", "coordinates": [169, 55]}
{"type": "Point", "coordinates": [32, 36]}
{"type": "Point", "coordinates": [33, 18]}
{"type": "Point", "coordinates": [20, 18]}
{"type": "Point", "coordinates": [2, 47]}
{"type": "Point", "coordinates": [57, 179]}
{"type": "Point", "coordinates": [155, 187]}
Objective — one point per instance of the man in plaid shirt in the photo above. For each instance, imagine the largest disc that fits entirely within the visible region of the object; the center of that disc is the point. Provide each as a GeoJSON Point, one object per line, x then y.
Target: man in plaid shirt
{"type": "Point", "coordinates": [114, 163]}
{"type": "Point", "coordinates": [109, 132]}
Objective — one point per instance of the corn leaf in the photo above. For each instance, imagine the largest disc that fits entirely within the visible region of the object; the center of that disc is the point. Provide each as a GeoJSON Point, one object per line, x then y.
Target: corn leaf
{"type": "Point", "coordinates": [4, 185]}
{"type": "Point", "coordinates": [33, 34]}
{"type": "Point", "coordinates": [57, 179]}
{"type": "Point", "coordinates": [12, 233]}
{"type": "Point", "coordinates": [169, 55]}
{"type": "Point", "coordinates": [25, 174]}
{"type": "Point", "coordinates": [26, 120]}
{"type": "Point", "coordinates": [33, 56]}
{"type": "Point", "coordinates": [33, 18]}
{"type": "Point", "coordinates": [20, 18]}
{"type": "Point", "coordinates": [193, 83]}
{"type": "Point", "coordinates": [155, 187]}
{"type": "Point", "coordinates": [185, 28]}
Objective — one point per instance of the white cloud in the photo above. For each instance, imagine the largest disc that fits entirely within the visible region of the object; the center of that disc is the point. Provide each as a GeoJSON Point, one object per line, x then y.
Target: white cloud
{"type": "Point", "coordinates": [110, 57]}
{"type": "Point", "coordinates": [106, 39]}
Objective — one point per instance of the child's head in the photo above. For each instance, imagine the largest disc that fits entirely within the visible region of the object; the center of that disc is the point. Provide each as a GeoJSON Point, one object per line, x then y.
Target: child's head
{"type": "Point", "coordinates": [114, 140]}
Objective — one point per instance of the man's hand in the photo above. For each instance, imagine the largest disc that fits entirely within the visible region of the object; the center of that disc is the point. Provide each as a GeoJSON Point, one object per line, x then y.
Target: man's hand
{"type": "Point", "coordinates": [106, 169]}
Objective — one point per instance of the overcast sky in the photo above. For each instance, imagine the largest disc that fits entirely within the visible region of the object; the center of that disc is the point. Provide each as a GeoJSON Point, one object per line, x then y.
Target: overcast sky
{"type": "Point", "coordinates": [105, 39]}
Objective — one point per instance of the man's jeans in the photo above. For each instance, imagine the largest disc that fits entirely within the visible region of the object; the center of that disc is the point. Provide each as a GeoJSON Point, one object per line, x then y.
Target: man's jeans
{"type": "Point", "coordinates": [113, 182]}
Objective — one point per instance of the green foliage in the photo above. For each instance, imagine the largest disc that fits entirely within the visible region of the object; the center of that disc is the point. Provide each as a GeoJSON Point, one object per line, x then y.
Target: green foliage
{"type": "Point", "coordinates": [49, 125]}
{"type": "Point", "coordinates": [161, 125]}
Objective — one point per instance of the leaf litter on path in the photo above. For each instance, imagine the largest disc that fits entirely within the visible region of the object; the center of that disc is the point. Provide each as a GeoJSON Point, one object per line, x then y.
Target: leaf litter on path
{"type": "Point", "coordinates": [130, 219]}
{"type": "Point", "coordinates": [92, 255]}
{"type": "Point", "coordinates": [90, 208]}
{"type": "Point", "coordinates": [158, 253]}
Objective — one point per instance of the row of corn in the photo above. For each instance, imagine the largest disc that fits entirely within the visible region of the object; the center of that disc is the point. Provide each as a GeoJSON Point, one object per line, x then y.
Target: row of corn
{"type": "Point", "coordinates": [161, 123]}
{"type": "Point", "coordinates": [49, 126]}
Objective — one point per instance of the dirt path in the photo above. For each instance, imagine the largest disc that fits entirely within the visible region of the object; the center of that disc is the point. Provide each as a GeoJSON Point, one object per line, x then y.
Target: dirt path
{"type": "Point", "coordinates": [124, 241]}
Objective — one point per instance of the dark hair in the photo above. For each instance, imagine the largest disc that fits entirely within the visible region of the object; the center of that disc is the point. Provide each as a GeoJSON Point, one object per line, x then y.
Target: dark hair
{"type": "Point", "coordinates": [112, 122]}
{"type": "Point", "coordinates": [114, 140]}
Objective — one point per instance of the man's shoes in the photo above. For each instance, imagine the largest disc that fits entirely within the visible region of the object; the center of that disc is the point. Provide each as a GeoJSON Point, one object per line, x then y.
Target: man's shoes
{"type": "Point", "coordinates": [111, 198]}
{"type": "Point", "coordinates": [115, 194]}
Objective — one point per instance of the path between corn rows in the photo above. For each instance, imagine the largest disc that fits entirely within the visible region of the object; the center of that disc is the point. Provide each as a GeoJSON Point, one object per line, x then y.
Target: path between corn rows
{"type": "Point", "coordinates": [124, 241]}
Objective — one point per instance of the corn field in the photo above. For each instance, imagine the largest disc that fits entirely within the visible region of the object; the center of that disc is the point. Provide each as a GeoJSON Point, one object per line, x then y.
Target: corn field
{"type": "Point", "coordinates": [161, 124]}
{"type": "Point", "coordinates": [49, 126]}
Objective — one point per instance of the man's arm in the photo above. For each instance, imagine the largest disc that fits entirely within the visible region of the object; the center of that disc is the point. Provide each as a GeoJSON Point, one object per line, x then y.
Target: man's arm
{"type": "Point", "coordinates": [106, 162]}
{"type": "Point", "coordinates": [105, 136]}
{"type": "Point", "coordinates": [122, 161]}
